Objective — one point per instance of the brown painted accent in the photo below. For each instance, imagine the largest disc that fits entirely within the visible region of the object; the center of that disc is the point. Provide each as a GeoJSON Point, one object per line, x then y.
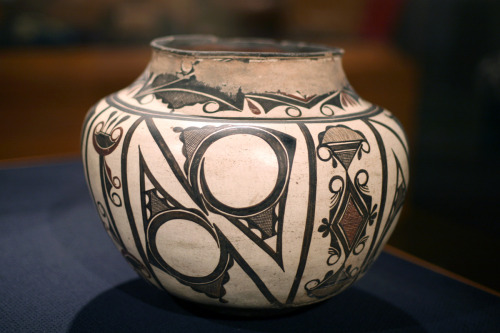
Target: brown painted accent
{"type": "Point", "coordinates": [302, 99]}
{"type": "Point", "coordinates": [113, 143]}
{"type": "Point", "coordinates": [347, 100]}
{"type": "Point", "coordinates": [253, 107]}
{"type": "Point", "coordinates": [351, 222]}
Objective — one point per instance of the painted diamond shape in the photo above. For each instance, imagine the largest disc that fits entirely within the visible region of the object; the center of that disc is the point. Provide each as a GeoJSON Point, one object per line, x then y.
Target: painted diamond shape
{"type": "Point", "coordinates": [351, 222]}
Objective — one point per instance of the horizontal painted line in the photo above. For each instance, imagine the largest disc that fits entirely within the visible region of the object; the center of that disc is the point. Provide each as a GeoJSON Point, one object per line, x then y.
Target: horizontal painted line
{"type": "Point", "coordinates": [115, 101]}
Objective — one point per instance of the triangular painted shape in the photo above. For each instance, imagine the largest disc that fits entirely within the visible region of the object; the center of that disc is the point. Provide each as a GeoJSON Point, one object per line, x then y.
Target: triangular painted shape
{"type": "Point", "coordinates": [264, 222]}
{"type": "Point", "coordinates": [346, 156]}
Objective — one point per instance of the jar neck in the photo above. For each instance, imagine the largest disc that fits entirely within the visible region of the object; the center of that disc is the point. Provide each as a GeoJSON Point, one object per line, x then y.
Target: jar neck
{"type": "Point", "coordinates": [244, 78]}
{"type": "Point", "coordinates": [231, 74]}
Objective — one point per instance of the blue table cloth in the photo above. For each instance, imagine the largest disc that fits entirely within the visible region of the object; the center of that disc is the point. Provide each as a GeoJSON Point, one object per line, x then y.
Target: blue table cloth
{"type": "Point", "coordinates": [59, 272]}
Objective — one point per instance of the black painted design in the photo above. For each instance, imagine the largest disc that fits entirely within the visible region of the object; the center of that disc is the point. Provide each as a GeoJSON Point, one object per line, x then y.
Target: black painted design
{"type": "Point", "coordinates": [159, 208]}
{"type": "Point", "coordinates": [176, 169]}
{"type": "Point", "coordinates": [351, 206]}
{"type": "Point", "coordinates": [376, 242]}
{"type": "Point", "coordinates": [128, 208]}
{"type": "Point", "coordinates": [332, 283]}
{"type": "Point", "coordinates": [107, 136]}
{"type": "Point", "coordinates": [109, 223]}
{"type": "Point", "coordinates": [399, 197]}
{"type": "Point", "coordinates": [265, 216]}
{"type": "Point", "coordinates": [342, 99]}
{"type": "Point", "coordinates": [105, 139]}
{"type": "Point", "coordinates": [116, 101]}
{"type": "Point", "coordinates": [402, 140]}
{"type": "Point", "coordinates": [183, 89]}
{"type": "Point", "coordinates": [311, 206]}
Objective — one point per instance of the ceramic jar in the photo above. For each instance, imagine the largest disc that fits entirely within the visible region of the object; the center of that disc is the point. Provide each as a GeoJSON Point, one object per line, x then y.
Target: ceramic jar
{"type": "Point", "coordinates": [245, 173]}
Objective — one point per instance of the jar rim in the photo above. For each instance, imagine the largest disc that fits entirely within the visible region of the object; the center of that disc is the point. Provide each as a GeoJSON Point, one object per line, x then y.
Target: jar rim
{"type": "Point", "coordinates": [212, 46]}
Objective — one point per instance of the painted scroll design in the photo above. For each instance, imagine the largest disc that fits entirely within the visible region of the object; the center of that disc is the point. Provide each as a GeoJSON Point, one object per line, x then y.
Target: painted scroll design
{"type": "Point", "coordinates": [106, 137]}
{"type": "Point", "coordinates": [183, 89]}
{"type": "Point", "coordinates": [351, 208]}
{"type": "Point", "coordinates": [159, 207]}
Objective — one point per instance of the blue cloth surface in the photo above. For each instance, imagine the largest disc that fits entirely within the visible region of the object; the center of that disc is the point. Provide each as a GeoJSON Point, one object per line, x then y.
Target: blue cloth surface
{"type": "Point", "coordinates": [59, 272]}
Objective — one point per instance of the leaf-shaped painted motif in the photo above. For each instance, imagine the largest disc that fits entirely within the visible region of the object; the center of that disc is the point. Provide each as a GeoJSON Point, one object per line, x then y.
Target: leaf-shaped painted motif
{"type": "Point", "coordinates": [253, 107]}
{"type": "Point", "coordinates": [177, 93]}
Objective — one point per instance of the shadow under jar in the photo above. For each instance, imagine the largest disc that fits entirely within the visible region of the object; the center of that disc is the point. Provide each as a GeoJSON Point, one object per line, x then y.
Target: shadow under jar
{"type": "Point", "coordinates": [245, 173]}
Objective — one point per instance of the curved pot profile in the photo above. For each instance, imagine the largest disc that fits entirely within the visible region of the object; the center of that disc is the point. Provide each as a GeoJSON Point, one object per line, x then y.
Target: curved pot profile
{"type": "Point", "coordinates": [245, 173]}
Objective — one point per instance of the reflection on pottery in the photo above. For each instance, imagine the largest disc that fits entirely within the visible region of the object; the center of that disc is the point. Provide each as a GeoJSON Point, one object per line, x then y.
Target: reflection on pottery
{"type": "Point", "coordinates": [245, 173]}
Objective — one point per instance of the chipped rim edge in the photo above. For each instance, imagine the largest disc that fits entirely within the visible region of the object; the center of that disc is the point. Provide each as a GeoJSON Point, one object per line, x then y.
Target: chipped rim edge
{"type": "Point", "coordinates": [303, 50]}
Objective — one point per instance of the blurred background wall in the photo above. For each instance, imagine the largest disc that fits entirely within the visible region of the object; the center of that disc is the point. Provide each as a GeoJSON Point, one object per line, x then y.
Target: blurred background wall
{"type": "Point", "coordinates": [435, 64]}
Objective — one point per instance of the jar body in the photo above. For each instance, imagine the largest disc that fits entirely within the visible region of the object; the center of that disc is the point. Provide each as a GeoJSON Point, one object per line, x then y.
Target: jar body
{"type": "Point", "coordinates": [248, 200]}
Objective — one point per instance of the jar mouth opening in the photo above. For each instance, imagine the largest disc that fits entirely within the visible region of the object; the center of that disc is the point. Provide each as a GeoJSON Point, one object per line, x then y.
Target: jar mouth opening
{"type": "Point", "coordinates": [212, 46]}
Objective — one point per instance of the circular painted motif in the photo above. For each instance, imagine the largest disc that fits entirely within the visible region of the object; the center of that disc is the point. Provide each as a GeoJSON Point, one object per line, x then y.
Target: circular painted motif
{"type": "Point", "coordinates": [234, 164]}
{"type": "Point", "coordinates": [183, 241]}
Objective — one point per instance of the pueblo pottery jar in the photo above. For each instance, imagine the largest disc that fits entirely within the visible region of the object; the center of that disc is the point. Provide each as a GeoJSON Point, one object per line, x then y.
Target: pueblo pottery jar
{"type": "Point", "coordinates": [245, 173]}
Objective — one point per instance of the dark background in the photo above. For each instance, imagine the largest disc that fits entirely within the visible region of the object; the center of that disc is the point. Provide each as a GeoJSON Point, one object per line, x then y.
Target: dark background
{"type": "Point", "coordinates": [435, 64]}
